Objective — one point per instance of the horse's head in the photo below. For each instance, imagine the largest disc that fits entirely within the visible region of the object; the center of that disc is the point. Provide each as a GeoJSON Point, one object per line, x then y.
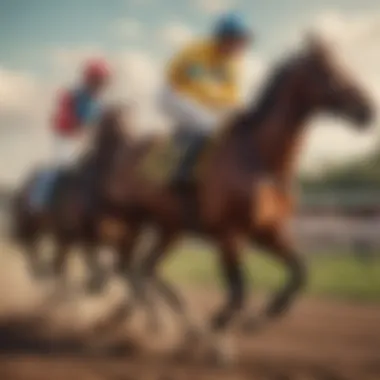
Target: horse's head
{"type": "Point", "coordinates": [330, 89]}
{"type": "Point", "coordinates": [111, 130]}
{"type": "Point", "coordinates": [113, 121]}
{"type": "Point", "coordinates": [113, 116]}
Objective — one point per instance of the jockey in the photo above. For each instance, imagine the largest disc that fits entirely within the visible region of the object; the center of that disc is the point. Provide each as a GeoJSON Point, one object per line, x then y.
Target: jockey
{"type": "Point", "coordinates": [202, 85]}
{"type": "Point", "coordinates": [76, 111]}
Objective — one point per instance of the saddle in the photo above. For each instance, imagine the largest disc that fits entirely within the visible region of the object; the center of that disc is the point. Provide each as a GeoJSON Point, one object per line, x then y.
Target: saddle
{"type": "Point", "coordinates": [175, 159]}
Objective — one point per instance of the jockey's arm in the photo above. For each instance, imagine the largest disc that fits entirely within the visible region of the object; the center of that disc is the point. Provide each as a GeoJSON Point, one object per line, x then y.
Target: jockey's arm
{"type": "Point", "coordinates": [227, 94]}
{"type": "Point", "coordinates": [224, 96]}
{"type": "Point", "coordinates": [186, 76]}
{"type": "Point", "coordinates": [72, 119]}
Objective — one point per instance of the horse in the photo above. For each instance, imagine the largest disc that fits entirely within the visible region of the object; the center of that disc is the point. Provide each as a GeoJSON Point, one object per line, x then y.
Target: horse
{"type": "Point", "coordinates": [67, 218]}
{"type": "Point", "coordinates": [243, 192]}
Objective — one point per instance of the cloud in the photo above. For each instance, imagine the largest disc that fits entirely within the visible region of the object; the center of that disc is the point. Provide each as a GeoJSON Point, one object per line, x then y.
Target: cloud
{"type": "Point", "coordinates": [176, 34]}
{"type": "Point", "coordinates": [253, 73]}
{"type": "Point", "coordinates": [18, 91]}
{"type": "Point", "coordinates": [214, 6]}
{"type": "Point", "coordinates": [127, 28]}
{"type": "Point", "coordinates": [140, 80]}
{"type": "Point", "coordinates": [24, 106]}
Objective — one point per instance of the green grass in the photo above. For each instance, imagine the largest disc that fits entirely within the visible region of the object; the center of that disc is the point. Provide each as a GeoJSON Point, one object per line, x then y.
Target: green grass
{"type": "Point", "coordinates": [330, 275]}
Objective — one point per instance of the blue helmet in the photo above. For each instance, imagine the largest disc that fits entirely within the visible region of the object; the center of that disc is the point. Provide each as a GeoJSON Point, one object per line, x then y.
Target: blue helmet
{"type": "Point", "coordinates": [232, 25]}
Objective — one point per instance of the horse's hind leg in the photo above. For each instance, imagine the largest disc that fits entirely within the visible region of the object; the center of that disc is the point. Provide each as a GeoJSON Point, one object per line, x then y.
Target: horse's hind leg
{"type": "Point", "coordinates": [176, 303]}
{"type": "Point", "coordinates": [139, 279]}
{"type": "Point", "coordinates": [277, 245]}
{"type": "Point", "coordinates": [98, 276]}
{"type": "Point", "coordinates": [60, 266]}
{"type": "Point", "coordinates": [124, 253]}
{"type": "Point", "coordinates": [192, 335]}
{"type": "Point", "coordinates": [37, 267]}
{"type": "Point", "coordinates": [25, 232]}
{"type": "Point", "coordinates": [148, 276]}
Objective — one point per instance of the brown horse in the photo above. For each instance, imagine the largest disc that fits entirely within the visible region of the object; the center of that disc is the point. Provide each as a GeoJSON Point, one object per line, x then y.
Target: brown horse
{"type": "Point", "coordinates": [77, 208]}
{"type": "Point", "coordinates": [244, 191]}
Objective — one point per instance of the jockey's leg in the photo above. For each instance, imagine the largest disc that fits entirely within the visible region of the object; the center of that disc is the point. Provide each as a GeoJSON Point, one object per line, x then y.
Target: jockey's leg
{"type": "Point", "coordinates": [40, 194]}
{"type": "Point", "coordinates": [195, 145]}
{"type": "Point", "coordinates": [195, 125]}
{"type": "Point", "coordinates": [186, 112]}
{"type": "Point", "coordinates": [62, 155]}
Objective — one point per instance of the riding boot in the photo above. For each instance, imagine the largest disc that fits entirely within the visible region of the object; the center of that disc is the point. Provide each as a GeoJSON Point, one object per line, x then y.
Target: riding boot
{"type": "Point", "coordinates": [194, 148]}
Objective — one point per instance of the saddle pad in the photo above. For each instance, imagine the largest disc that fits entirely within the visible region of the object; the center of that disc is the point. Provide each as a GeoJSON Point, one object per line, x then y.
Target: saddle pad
{"type": "Point", "coordinates": [161, 161]}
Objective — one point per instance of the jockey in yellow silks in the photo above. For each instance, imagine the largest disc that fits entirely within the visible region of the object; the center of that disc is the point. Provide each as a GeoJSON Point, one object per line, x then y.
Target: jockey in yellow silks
{"type": "Point", "coordinates": [202, 85]}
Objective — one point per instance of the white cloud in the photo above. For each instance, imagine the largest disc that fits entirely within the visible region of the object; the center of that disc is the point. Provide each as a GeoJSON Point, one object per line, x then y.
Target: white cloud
{"type": "Point", "coordinates": [127, 28]}
{"type": "Point", "coordinates": [253, 74]}
{"type": "Point", "coordinates": [23, 109]}
{"type": "Point", "coordinates": [18, 91]}
{"type": "Point", "coordinates": [139, 80]}
{"type": "Point", "coordinates": [215, 6]}
{"type": "Point", "coordinates": [176, 34]}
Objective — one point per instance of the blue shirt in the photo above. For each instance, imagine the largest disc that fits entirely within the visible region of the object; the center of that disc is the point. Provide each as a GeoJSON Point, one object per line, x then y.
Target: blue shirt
{"type": "Point", "coordinates": [87, 108]}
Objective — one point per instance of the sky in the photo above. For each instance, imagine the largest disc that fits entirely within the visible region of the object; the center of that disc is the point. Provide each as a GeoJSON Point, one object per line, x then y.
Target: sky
{"type": "Point", "coordinates": [44, 42]}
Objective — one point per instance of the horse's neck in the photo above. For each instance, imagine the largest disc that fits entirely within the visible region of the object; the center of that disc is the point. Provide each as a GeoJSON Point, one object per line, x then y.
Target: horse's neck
{"type": "Point", "coordinates": [107, 142]}
{"type": "Point", "coordinates": [279, 138]}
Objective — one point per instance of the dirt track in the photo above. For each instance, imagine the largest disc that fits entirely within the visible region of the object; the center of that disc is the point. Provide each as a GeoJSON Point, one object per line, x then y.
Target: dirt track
{"type": "Point", "coordinates": [318, 340]}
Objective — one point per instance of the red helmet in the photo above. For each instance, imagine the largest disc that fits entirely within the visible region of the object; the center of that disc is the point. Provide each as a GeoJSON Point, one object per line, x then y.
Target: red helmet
{"type": "Point", "coordinates": [97, 69]}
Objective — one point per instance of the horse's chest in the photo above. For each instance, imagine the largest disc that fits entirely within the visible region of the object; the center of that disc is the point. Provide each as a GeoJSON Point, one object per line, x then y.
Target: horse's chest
{"type": "Point", "coordinates": [269, 204]}
{"type": "Point", "coordinates": [258, 202]}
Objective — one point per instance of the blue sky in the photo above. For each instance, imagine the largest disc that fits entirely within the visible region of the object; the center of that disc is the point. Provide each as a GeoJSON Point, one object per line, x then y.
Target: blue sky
{"type": "Point", "coordinates": [31, 28]}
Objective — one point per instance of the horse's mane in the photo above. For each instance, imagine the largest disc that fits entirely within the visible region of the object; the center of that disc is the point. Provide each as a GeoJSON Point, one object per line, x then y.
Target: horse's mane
{"type": "Point", "coordinates": [258, 110]}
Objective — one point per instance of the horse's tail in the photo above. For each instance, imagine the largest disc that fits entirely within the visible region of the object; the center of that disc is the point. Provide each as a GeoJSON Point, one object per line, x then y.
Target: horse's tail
{"type": "Point", "coordinates": [22, 220]}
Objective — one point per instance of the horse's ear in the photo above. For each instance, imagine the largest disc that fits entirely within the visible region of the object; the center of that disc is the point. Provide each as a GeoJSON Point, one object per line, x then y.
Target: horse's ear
{"type": "Point", "coordinates": [316, 45]}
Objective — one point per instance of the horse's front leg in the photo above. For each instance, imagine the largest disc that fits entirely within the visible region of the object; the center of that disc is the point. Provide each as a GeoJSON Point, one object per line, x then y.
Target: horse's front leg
{"type": "Point", "coordinates": [59, 267]}
{"type": "Point", "coordinates": [123, 266]}
{"type": "Point", "coordinates": [98, 276]}
{"type": "Point", "coordinates": [232, 273]}
{"type": "Point", "coordinates": [275, 242]}
{"type": "Point", "coordinates": [37, 267]}
{"type": "Point", "coordinates": [147, 277]}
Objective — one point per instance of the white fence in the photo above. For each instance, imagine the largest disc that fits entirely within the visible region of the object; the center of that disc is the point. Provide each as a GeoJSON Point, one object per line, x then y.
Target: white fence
{"type": "Point", "coordinates": [316, 231]}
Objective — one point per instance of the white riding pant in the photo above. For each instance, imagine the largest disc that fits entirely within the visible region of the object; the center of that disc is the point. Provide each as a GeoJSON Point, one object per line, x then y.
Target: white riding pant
{"type": "Point", "coordinates": [187, 112]}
